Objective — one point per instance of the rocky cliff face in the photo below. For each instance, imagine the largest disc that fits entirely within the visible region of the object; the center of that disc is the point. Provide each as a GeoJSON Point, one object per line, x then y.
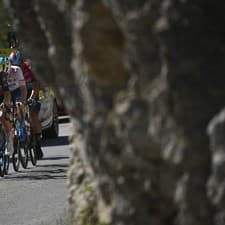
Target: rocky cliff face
{"type": "Point", "coordinates": [141, 80]}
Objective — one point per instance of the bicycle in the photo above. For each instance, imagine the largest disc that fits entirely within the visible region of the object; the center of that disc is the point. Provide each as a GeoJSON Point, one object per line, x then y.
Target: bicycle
{"type": "Point", "coordinates": [20, 153]}
{"type": "Point", "coordinates": [23, 149]}
{"type": "Point", "coordinates": [21, 144]}
{"type": "Point", "coordinates": [26, 148]}
{"type": "Point", "coordinates": [2, 152]}
{"type": "Point", "coordinates": [31, 138]}
{"type": "Point", "coordinates": [4, 159]}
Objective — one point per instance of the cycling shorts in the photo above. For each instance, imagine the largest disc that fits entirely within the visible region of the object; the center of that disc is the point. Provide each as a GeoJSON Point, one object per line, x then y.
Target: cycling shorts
{"type": "Point", "coordinates": [15, 95]}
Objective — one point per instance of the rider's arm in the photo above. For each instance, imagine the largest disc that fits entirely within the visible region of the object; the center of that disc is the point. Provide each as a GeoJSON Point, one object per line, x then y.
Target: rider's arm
{"type": "Point", "coordinates": [7, 98]}
{"type": "Point", "coordinates": [35, 90]}
{"type": "Point", "coordinates": [23, 92]}
{"type": "Point", "coordinates": [5, 88]}
{"type": "Point", "coordinates": [35, 83]}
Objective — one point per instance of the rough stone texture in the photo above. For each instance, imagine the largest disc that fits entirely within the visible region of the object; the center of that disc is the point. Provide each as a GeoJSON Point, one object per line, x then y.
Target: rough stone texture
{"type": "Point", "coordinates": [141, 80]}
{"type": "Point", "coordinates": [216, 184]}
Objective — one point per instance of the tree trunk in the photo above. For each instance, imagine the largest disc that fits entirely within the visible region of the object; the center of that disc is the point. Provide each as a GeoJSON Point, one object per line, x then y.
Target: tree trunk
{"type": "Point", "coordinates": [141, 81]}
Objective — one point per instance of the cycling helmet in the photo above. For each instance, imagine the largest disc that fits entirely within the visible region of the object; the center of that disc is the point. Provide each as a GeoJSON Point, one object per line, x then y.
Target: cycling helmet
{"type": "Point", "coordinates": [4, 64]}
{"type": "Point", "coordinates": [15, 58]}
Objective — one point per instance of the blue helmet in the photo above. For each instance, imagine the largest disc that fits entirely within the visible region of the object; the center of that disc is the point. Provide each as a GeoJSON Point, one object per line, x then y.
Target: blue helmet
{"type": "Point", "coordinates": [15, 58]}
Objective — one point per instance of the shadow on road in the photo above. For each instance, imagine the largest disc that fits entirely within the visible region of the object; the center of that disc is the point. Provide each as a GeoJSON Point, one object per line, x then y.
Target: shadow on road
{"type": "Point", "coordinates": [62, 140]}
{"type": "Point", "coordinates": [52, 165]}
{"type": "Point", "coordinates": [55, 169]}
{"type": "Point", "coordinates": [41, 172]}
{"type": "Point", "coordinates": [55, 158]}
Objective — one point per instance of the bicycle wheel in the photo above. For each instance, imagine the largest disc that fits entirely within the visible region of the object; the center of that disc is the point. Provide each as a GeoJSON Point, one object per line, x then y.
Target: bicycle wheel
{"type": "Point", "coordinates": [6, 164]}
{"type": "Point", "coordinates": [2, 166]}
{"type": "Point", "coordinates": [32, 150]}
{"type": "Point", "coordinates": [33, 157]}
{"type": "Point", "coordinates": [23, 154]}
{"type": "Point", "coordinates": [2, 152]}
{"type": "Point", "coordinates": [15, 156]}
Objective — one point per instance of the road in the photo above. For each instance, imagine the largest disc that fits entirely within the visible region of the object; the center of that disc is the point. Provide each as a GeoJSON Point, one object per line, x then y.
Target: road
{"type": "Point", "coordinates": [38, 195]}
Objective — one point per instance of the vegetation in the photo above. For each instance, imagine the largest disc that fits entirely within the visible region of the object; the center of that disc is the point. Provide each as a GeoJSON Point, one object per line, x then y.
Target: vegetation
{"type": "Point", "coordinates": [4, 26]}
{"type": "Point", "coordinates": [88, 216]}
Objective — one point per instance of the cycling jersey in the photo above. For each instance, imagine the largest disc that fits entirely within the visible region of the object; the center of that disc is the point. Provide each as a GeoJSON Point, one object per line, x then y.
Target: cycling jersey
{"type": "Point", "coordinates": [28, 74]}
{"type": "Point", "coordinates": [15, 95]}
{"type": "Point", "coordinates": [30, 78]}
{"type": "Point", "coordinates": [15, 78]}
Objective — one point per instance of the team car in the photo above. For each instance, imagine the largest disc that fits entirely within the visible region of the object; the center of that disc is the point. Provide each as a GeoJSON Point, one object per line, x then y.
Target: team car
{"type": "Point", "coordinates": [48, 114]}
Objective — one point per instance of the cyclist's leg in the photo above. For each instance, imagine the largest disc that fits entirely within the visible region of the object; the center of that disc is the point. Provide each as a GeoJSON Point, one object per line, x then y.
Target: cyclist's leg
{"type": "Point", "coordinates": [36, 126]}
{"type": "Point", "coordinates": [7, 127]}
{"type": "Point", "coordinates": [34, 109]}
{"type": "Point", "coordinates": [15, 95]}
{"type": "Point", "coordinates": [6, 124]}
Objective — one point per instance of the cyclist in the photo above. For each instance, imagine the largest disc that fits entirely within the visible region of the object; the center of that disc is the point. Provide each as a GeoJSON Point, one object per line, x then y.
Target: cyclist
{"type": "Point", "coordinates": [5, 98]}
{"type": "Point", "coordinates": [12, 39]}
{"type": "Point", "coordinates": [33, 88]}
{"type": "Point", "coordinates": [17, 87]}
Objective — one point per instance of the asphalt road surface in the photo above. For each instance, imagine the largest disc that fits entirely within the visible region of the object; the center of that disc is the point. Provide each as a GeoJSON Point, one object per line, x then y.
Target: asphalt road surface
{"type": "Point", "coordinates": [38, 195]}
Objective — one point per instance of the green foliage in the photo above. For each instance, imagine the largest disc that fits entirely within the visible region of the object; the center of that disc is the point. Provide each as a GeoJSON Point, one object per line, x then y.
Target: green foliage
{"type": "Point", "coordinates": [5, 20]}
{"type": "Point", "coordinates": [87, 187]}
{"type": "Point", "coordinates": [88, 216]}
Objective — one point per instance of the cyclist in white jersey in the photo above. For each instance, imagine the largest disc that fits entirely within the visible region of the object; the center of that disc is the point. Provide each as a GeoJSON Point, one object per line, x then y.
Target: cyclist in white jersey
{"type": "Point", "coordinates": [17, 84]}
{"type": "Point", "coordinates": [18, 89]}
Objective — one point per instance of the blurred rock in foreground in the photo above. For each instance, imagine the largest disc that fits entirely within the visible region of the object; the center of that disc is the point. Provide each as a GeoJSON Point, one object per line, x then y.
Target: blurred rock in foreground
{"type": "Point", "coordinates": [141, 80]}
